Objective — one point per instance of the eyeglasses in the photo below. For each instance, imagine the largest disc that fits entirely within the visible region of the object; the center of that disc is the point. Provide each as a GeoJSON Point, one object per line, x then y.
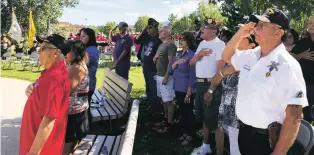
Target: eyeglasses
{"type": "Point", "coordinates": [44, 48]}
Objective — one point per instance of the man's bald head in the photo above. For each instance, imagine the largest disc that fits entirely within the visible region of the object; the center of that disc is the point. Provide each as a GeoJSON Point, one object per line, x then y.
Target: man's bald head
{"type": "Point", "coordinates": [165, 33]}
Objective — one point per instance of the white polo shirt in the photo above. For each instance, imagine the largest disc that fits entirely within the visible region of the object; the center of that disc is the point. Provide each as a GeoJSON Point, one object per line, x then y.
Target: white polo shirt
{"type": "Point", "coordinates": [206, 67]}
{"type": "Point", "coordinates": [262, 100]}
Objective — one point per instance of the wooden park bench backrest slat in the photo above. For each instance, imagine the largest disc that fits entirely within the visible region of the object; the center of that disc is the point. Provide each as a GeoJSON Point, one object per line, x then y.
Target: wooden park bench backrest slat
{"type": "Point", "coordinates": [85, 145]}
{"type": "Point", "coordinates": [128, 139]}
{"type": "Point", "coordinates": [97, 145]}
{"type": "Point", "coordinates": [116, 89]}
{"type": "Point", "coordinates": [111, 110]}
{"type": "Point", "coordinates": [118, 106]}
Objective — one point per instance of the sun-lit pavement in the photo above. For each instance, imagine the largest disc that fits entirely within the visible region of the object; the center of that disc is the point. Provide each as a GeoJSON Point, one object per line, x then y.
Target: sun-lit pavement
{"type": "Point", "coordinates": [12, 100]}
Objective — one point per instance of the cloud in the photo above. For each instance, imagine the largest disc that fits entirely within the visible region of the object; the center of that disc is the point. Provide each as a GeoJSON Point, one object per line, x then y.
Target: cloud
{"type": "Point", "coordinates": [132, 14]}
{"type": "Point", "coordinates": [166, 2]}
{"type": "Point", "coordinates": [184, 8]}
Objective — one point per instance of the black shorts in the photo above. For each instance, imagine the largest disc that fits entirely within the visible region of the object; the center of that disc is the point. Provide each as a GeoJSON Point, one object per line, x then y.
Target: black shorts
{"type": "Point", "coordinates": [207, 113]}
{"type": "Point", "coordinates": [77, 127]}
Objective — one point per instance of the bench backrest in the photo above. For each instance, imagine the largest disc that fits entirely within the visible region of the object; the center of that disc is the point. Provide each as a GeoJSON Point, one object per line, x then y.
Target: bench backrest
{"type": "Point", "coordinates": [116, 89]}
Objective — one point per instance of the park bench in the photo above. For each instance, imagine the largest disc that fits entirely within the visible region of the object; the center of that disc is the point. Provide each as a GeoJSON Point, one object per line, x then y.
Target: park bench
{"type": "Point", "coordinates": [111, 145]}
{"type": "Point", "coordinates": [111, 100]}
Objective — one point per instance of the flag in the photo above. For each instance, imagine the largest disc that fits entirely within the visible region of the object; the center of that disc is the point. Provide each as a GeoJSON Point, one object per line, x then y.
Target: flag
{"type": "Point", "coordinates": [31, 30]}
{"type": "Point", "coordinates": [49, 28]}
{"type": "Point", "coordinates": [15, 30]}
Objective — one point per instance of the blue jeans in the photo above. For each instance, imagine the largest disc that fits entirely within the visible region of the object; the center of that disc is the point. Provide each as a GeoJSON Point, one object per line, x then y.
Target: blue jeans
{"type": "Point", "coordinates": [151, 92]}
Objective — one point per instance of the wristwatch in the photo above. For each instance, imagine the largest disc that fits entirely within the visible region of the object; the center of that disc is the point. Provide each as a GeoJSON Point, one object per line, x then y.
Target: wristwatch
{"type": "Point", "coordinates": [210, 91]}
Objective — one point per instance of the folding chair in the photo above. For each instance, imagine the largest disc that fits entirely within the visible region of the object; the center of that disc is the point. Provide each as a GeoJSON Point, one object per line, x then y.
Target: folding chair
{"type": "Point", "coordinates": [6, 61]}
{"type": "Point", "coordinates": [306, 136]}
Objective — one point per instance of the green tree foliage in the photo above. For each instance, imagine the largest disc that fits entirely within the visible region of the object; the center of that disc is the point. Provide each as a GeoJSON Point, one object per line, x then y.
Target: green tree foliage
{"type": "Point", "coordinates": [297, 10]}
{"type": "Point", "coordinates": [64, 29]}
{"type": "Point", "coordinates": [203, 11]}
{"type": "Point", "coordinates": [42, 11]}
{"type": "Point", "coordinates": [108, 26]}
{"type": "Point", "coordinates": [141, 23]}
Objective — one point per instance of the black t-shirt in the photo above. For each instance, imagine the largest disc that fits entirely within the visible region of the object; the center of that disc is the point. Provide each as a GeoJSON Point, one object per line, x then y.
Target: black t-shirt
{"type": "Point", "coordinates": [148, 49]}
{"type": "Point", "coordinates": [306, 65]}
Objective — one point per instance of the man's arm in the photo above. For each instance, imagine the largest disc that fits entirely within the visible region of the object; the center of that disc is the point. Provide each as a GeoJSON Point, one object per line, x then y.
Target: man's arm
{"type": "Point", "coordinates": [290, 129]}
{"type": "Point", "coordinates": [170, 58]}
{"type": "Point", "coordinates": [216, 80]}
{"type": "Point", "coordinates": [139, 39]}
{"type": "Point", "coordinates": [42, 135]}
{"type": "Point", "coordinates": [233, 44]}
{"type": "Point", "coordinates": [199, 55]}
{"type": "Point", "coordinates": [110, 33]}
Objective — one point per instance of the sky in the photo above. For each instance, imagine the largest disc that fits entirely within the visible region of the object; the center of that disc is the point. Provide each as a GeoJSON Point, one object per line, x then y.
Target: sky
{"type": "Point", "coordinates": [98, 12]}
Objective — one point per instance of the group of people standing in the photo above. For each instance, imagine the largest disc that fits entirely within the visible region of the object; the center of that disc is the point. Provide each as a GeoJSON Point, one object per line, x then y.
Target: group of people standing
{"type": "Point", "coordinates": [247, 82]}
{"type": "Point", "coordinates": [56, 114]}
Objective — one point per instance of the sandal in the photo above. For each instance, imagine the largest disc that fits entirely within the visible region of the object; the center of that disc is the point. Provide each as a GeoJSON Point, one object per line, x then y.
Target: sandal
{"type": "Point", "coordinates": [164, 129]}
{"type": "Point", "coordinates": [187, 140]}
{"type": "Point", "coordinates": [182, 138]}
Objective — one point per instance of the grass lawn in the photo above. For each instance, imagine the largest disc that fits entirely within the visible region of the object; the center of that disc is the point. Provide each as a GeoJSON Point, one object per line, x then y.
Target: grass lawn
{"type": "Point", "coordinates": [147, 141]}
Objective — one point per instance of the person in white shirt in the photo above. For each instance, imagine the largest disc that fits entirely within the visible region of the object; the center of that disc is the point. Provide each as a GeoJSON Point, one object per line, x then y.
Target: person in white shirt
{"type": "Point", "coordinates": [271, 89]}
{"type": "Point", "coordinates": [208, 61]}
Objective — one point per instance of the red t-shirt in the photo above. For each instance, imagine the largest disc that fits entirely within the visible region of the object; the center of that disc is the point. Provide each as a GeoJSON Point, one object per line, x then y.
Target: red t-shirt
{"type": "Point", "coordinates": [50, 97]}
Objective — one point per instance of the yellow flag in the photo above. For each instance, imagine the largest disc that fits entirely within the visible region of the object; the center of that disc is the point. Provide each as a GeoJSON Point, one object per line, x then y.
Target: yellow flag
{"type": "Point", "coordinates": [31, 30]}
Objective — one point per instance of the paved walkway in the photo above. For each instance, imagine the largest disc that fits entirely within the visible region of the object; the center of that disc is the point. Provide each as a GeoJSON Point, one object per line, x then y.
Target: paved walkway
{"type": "Point", "coordinates": [12, 100]}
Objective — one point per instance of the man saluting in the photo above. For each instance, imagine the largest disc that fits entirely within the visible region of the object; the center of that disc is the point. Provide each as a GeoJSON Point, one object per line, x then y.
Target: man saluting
{"type": "Point", "coordinates": [271, 90]}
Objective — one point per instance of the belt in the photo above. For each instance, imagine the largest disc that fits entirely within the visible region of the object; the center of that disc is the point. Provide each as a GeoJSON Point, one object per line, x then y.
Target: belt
{"type": "Point", "coordinates": [204, 79]}
{"type": "Point", "coordinates": [254, 130]}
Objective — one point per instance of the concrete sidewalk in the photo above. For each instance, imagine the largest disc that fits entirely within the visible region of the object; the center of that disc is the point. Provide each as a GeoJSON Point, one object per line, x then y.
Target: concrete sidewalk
{"type": "Point", "coordinates": [12, 101]}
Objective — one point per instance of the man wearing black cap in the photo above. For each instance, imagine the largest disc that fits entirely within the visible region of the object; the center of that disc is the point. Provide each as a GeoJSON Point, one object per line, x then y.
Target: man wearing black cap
{"type": "Point", "coordinates": [122, 50]}
{"type": "Point", "coordinates": [149, 41]}
{"type": "Point", "coordinates": [45, 113]}
{"type": "Point", "coordinates": [271, 89]}
{"type": "Point", "coordinates": [197, 27]}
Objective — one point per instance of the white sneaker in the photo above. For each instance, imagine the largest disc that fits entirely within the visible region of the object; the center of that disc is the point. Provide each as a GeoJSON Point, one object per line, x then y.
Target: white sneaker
{"type": "Point", "coordinates": [201, 151]}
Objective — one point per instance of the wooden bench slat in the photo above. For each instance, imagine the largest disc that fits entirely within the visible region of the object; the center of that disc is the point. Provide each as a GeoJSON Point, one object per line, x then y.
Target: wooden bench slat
{"type": "Point", "coordinates": [114, 95]}
{"type": "Point", "coordinates": [121, 112]}
{"type": "Point", "coordinates": [97, 145]}
{"type": "Point", "coordinates": [104, 114]}
{"type": "Point", "coordinates": [107, 107]}
{"type": "Point", "coordinates": [122, 92]}
{"type": "Point", "coordinates": [95, 114]}
{"type": "Point", "coordinates": [113, 101]}
{"type": "Point", "coordinates": [85, 145]}
{"type": "Point", "coordinates": [116, 145]}
{"type": "Point", "coordinates": [108, 143]}
{"type": "Point", "coordinates": [123, 83]}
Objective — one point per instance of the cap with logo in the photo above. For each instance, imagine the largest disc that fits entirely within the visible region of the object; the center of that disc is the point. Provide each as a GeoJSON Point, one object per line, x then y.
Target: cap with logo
{"type": "Point", "coordinates": [273, 15]}
{"type": "Point", "coordinates": [211, 23]}
{"type": "Point", "coordinates": [56, 40]}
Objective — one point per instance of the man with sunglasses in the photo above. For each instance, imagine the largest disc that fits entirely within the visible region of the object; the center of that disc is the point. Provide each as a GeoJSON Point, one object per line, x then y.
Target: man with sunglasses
{"type": "Point", "coordinates": [149, 41]}
{"type": "Point", "coordinates": [122, 50]}
{"type": "Point", "coordinates": [45, 113]}
{"type": "Point", "coordinates": [207, 60]}
{"type": "Point", "coordinates": [271, 88]}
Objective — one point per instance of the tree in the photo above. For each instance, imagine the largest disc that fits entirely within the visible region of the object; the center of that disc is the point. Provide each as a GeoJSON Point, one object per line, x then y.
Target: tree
{"type": "Point", "coordinates": [42, 11]}
{"type": "Point", "coordinates": [172, 18]}
{"type": "Point", "coordinates": [108, 26]}
{"type": "Point", "coordinates": [141, 23]}
{"type": "Point", "coordinates": [297, 10]}
{"type": "Point", "coordinates": [210, 10]}
{"type": "Point", "coordinates": [182, 24]}
{"type": "Point", "coordinates": [64, 29]}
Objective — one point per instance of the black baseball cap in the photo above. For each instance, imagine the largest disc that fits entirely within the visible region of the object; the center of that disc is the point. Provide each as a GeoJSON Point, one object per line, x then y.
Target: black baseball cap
{"type": "Point", "coordinates": [211, 23]}
{"type": "Point", "coordinates": [122, 25]}
{"type": "Point", "coordinates": [152, 22]}
{"type": "Point", "coordinates": [197, 21]}
{"type": "Point", "coordinates": [56, 40]}
{"type": "Point", "coordinates": [273, 15]}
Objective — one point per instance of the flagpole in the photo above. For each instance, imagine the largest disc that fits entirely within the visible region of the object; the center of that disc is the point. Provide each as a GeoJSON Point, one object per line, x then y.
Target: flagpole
{"type": "Point", "coordinates": [12, 16]}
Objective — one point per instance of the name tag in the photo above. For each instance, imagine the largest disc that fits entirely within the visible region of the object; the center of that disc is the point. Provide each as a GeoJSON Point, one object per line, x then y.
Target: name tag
{"type": "Point", "coordinates": [247, 67]}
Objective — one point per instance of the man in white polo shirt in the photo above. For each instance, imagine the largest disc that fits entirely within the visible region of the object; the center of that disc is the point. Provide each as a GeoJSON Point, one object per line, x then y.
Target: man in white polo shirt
{"type": "Point", "coordinates": [208, 61]}
{"type": "Point", "coordinates": [271, 89]}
